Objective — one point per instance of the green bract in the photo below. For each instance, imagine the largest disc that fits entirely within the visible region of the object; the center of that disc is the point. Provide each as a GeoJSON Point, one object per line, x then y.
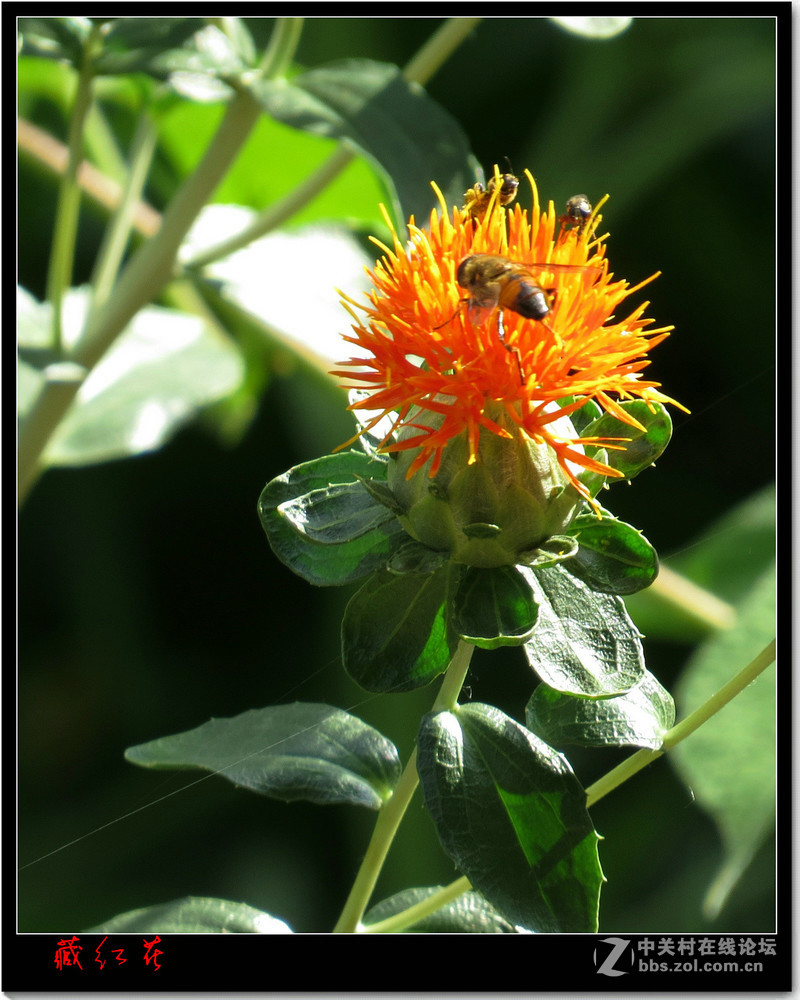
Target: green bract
{"type": "Point", "coordinates": [511, 499]}
{"type": "Point", "coordinates": [501, 552]}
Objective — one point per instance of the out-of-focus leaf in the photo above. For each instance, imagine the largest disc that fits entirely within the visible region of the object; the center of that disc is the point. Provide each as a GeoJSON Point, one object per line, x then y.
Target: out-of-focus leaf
{"type": "Point", "coordinates": [351, 198]}
{"type": "Point", "coordinates": [725, 560]}
{"type": "Point", "coordinates": [162, 369]}
{"type": "Point", "coordinates": [147, 44]}
{"type": "Point", "coordinates": [55, 37]}
{"type": "Point", "coordinates": [288, 281]}
{"type": "Point", "coordinates": [372, 107]}
{"type": "Point", "coordinates": [729, 762]}
{"type": "Point", "coordinates": [594, 27]}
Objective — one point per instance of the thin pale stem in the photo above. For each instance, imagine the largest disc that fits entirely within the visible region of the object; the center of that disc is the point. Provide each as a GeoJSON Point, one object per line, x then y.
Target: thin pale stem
{"type": "Point", "coordinates": [417, 912]}
{"type": "Point", "coordinates": [702, 605]}
{"type": "Point", "coordinates": [62, 255]}
{"type": "Point", "coordinates": [99, 187]}
{"type": "Point", "coordinates": [392, 812]}
{"type": "Point", "coordinates": [281, 49]}
{"type": "Point", "coordinates": [119, 230]}
{"type": "Point", "coordinates": [439, 47]}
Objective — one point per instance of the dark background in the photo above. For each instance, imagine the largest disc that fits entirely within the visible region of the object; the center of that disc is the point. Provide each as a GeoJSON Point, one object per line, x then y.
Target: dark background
{"type": "Point", "coordinates": [149, 599]}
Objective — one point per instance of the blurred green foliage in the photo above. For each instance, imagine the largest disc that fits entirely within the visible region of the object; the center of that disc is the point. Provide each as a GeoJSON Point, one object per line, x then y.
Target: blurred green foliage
{"type": "Point", "coordinates": [149, 600]}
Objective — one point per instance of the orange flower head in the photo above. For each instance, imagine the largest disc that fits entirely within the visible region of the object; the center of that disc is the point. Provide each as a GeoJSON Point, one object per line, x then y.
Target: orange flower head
{"type": "Point", "coordinates": [490, 320]}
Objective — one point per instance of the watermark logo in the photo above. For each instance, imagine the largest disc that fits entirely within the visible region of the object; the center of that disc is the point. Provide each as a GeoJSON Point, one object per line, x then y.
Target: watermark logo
{"type": "Point", "coordinates": [612, 962]}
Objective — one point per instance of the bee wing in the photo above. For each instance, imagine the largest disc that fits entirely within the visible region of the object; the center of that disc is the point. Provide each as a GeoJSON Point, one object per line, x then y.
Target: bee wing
{"type": "Point", "coordinates": [564, 268]}
{"type": "Point", "coordinates": [479, 312]}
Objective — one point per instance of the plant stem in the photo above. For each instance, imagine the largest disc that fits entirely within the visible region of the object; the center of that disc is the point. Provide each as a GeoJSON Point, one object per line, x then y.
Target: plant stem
{"type": "Point", "coordinates": [393, 810]}
{"type": "Point", "coordinates": [281, 49]}
{"type": "Point", "coordinates": [693, 721]}
{"type": "Point", "coordinates": [695, 601]}
{"type": "Point", "coordinates": [415, 913]}
{"type": "Point", "coordinates": [143, 278]}
{"type": "Point", "coordinates": [62, 255]}
{"type": "Point", "coordinates": [419, 69]}
{"type": "Point", "coordinates": [118, 233]}
{"type": "Point", "coordinates": [439, 47]}
{"type": "Point", "coordinates": [99, 187]}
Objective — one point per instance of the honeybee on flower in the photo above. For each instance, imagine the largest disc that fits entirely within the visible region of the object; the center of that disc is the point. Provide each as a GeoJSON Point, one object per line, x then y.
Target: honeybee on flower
{"type": "Point", "coordinates": [440, 375]}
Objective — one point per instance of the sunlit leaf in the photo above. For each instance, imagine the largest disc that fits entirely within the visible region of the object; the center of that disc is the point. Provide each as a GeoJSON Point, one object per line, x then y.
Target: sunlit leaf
{"type": "Point", "coordinates": [584, 642]}
{"type": "Point", "coordinates": [512, 817]}
{"type": "Point", "coordinates": [162, 369]}
{"type": "Point", "coordinates": [612, 557]}
{"type": "Point", "coordinates": [594, 27]}
{"type": "Point", "coordinates": [493, 607]}
{"type": "Point", "coordinates": [299, 751]}
{"type": "Point", "coordinates": [270, 279]}
{"type": "Point", "coordinates": [395, 632]}
{"type": "Point", "coordinates": [639, 718]}
{"type": "Point", "coordinates": [322, 564]}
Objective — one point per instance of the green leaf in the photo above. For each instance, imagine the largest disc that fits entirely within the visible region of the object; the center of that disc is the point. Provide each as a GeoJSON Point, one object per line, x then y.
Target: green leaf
{"type": "Point", "coordinates": [729, 763]}
{"type": "Point", "coordinates": [612, 557]}
{"type": "Point", "coordinates": [493, 607]}
{"type": "Point", "coordinates": [555, 549]}
{"type": "Point", "coordinates": [300, 751]}
{"type": "Point", "coordinates": [414, 557]}
{"type": "Point", "coordinates": [335, 514]}
{"type": "Point", "coordinates": [194, 915]}
{"type": "Point", "coordinates": [470, 913]}
{"type": "Point", "coordinates": [393, 122]}
{"type": "Point", "coordinates": [638, 718]}
{"type": "Point", "coordinates": [149, 44]}
{"type": "Point", "coordinates": [584, 642]}
{"type": "Point", "coordinates": [326, 564]}
{"type": "Point", "coordinates": [155, 33]}
{"type": "Point", "coordinates": [379, 490]}
{"type": "Point", "coordinates": [644, 447]}
{"type": "Point", "coordinates": [512, 817]}
{"type": "Point", "coordinates": [588, 412]}
{"type": "Point", "coordinates": [186, 129]}
{"type": "Point", "coordinates": [163, 368]}
{"type": "Point", "coordinates": [395, 634]}
{"type": "Point", "coordinates": [55, 37]}
{"type": "Point", "coordinates": [733, 551]}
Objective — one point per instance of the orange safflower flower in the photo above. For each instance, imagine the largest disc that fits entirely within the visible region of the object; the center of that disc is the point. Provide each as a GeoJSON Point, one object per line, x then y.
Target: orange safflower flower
{"type": "Point", "coordinates": [426, 352]}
